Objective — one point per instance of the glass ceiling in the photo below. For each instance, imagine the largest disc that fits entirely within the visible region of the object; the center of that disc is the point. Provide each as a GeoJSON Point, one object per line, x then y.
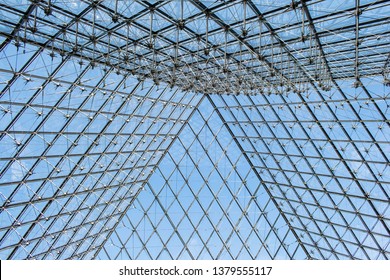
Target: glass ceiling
{"type": "Point", "coordinates": [191, 129]}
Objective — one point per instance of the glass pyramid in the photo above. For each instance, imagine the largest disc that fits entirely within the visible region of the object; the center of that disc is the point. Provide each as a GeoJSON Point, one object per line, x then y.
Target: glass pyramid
{"type": "Point", "coordinates": [191, 129]}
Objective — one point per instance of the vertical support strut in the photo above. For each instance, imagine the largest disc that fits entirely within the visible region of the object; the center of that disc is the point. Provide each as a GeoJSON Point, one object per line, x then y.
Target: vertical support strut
{"type": "Point", "coordinates": [357, 43]}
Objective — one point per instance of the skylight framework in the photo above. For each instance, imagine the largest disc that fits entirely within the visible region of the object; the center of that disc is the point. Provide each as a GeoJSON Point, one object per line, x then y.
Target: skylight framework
{"type": "Point", "coordinates": [234, 47]}
{"type": "Point", "coordinates": [194, 129]}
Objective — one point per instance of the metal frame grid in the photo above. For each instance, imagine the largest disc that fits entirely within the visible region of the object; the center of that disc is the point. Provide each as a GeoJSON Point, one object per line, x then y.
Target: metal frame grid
{"type": "Point", "coordinates": [76, 148]}
{"type": "Point", "coordinates": [194, 129]}
{"type": "Point", "coordinates": [305, 158]}
{"type": "Point", "coordinates": [212, 46]}
{"type": "Point", "coordinates": [324, 164]}
{"type": "Point", "coordinates": [200, 205]}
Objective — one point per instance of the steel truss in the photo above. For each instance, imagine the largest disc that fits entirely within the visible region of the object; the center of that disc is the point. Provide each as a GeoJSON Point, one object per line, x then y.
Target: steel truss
{"type": "Point", "coordinates": [194, 129]}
